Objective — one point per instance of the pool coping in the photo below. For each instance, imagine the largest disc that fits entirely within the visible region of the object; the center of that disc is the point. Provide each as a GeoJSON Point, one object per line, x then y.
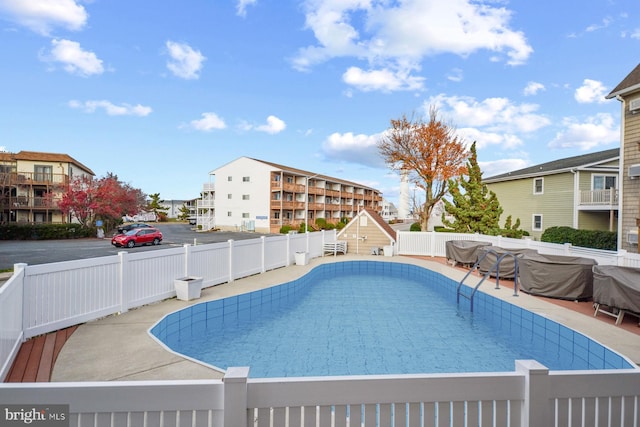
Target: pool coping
{"type": "Point", "coordinates": [119, 347]}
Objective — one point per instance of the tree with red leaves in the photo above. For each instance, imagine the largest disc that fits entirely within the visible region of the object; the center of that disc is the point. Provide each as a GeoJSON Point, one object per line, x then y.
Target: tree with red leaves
{"type": "Point", "coordinates": [106, 199]}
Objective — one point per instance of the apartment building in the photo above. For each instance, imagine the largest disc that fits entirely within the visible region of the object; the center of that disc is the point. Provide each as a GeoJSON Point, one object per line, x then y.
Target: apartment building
{"type": "Point", "coordinates": [628, 93]}
{"type": "Point", "coordinates": [32, 184]}
{"type": "Point", "coordinates": [255, 195]}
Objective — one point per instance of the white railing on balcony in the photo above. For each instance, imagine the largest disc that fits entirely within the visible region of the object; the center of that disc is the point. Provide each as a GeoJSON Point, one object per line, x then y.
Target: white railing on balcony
{"type": "Point", "coordinates": [42, 298]}
{"type": "Point", "coordinates": [603, 198]}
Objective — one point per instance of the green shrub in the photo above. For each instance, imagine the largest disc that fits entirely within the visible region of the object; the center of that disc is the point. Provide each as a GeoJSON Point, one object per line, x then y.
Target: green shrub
{"type": "Point", "coordinates": [45, 231]}
{"type": "Point", "coordinates": [415, 227]}
{"type": "Point", "coordinates": [442, 229]}
{"type": "Point", "coordinates": [285, 229]}
{"type": "Point", "coordinates": [340, 225]}
{"type": "Point", "coordinates": [321, 223]}
{"type": "Point", "coordinates": [595, 239]}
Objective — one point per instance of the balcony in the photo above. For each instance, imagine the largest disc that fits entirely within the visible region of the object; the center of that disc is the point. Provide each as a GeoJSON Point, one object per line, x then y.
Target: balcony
{"type": "Point", "coordinates": [31, 178]}
{"type": "Point", "coordinates": [598, 199]}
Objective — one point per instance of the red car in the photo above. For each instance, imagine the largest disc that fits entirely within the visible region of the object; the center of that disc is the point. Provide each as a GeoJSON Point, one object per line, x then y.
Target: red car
{"type": "Point", "coordinates": [138, 236]}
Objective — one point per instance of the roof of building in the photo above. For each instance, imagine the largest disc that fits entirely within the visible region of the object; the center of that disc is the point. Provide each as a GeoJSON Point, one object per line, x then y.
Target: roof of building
{"type": "Point", "coordinates": [36, 156]}
{"type": "Point", "coordinates": [380, 222]}
{"type": "Point", "coordinates": [557, 166]}
{"type": "Point", "coordinates": [629, 84]}
{"type": "Point", "coordinates": [310, 174]}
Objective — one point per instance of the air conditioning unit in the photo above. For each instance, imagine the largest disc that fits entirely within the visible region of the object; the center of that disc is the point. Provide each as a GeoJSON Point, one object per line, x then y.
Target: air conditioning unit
{"type": "Point", "coordinates": [632, 237]}
{"type": "Point", "coordinates": [634, 105]}
{"type": "Point", "coordinates": [634, 171]}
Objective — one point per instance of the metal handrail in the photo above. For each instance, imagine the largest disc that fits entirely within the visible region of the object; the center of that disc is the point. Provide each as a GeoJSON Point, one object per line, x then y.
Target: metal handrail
{"type": "Point", "coordinates": [495, 265]}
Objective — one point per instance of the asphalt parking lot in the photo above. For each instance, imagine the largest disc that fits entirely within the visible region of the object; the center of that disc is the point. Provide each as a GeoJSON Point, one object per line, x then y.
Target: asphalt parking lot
{"type": "Point", "coordinates": [45, 251]}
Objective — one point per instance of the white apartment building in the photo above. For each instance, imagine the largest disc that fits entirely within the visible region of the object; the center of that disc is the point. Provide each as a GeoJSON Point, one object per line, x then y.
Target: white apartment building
{"type": "Point", "coordinates": [255, 195]}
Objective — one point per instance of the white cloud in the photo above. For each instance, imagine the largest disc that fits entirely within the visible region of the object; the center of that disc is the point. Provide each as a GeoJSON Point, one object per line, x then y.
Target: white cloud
{"type": "Point", "coordinates": [208, 122]}
{"type": "Point", "coordinates": [491, 114]}
{"type": "Point", "coordinates": [241, 8]}
{"type": "Point", "coordinates": [485, 139]}
{"type": "Point", "coordinates": [41, 16]}
{"type": "Point", "coordinates": [348, 147]}
{"type": "Point", "coordinates": [111, 109]}
{"type": "Point", "coordinates": [599, 130]}
{"type": "Point", "coordinates": [398, 35]}
{"type": "Point", "coordinates": [591, 91]}
{"type": "Point", "coordinates": [455, 75]}
{"type": "Point", "coordinates": [533, 88]}
{"type": "Point", "coordinates": [635, 34]}
{"type": "Point", "coordinates": [185, 62]}
{"type": "Point", "coordinates": [604, 24]}
{"type": "Point", "coordinates": [274, 125]}
{"type": "Point", "coordinates": [75, 60]}
{"type": "Point", "coordinates": [498, 167]}
{"type": "Point", "coordinates": [384, 80]}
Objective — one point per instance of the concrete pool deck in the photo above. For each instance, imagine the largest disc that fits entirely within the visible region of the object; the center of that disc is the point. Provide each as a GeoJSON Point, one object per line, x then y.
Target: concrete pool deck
{"type": "Point", "coordinates": [119, 347]}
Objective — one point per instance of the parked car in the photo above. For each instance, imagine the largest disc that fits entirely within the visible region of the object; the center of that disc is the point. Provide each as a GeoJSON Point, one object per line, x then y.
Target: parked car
{"type": "Point", "coordinates": [126, 227]}
{"type": "Point", "coordinates": [138, 236]}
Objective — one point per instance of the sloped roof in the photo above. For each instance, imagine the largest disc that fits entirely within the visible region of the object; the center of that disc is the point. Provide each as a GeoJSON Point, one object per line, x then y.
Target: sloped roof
{"type": "Point", "coordinates": [557, 166]}
{"type": "Point", "coordinates": [629, 84]}
{"type": "Point", "coordinates": [36, 156]}
{"type": "Point", "coordinates": [380, 222]}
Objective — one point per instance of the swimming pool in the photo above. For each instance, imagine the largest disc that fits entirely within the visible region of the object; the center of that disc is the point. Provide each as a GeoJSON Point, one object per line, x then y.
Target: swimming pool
{"type": "Point", "coordinates": [370, 317]}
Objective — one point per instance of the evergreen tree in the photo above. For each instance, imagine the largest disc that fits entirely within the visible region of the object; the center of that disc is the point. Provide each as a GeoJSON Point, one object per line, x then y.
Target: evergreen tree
{"type": "Point", "coordinates": [476, 209]}
{"type": "Point", "coordinates": [155, 206]}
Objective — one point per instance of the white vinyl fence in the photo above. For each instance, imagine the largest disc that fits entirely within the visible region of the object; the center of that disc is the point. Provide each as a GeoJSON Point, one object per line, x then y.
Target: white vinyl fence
{"type": "Point", "coordinates": [43, 298]}
{"type": "Point", "coordinates": [433, 244]}
{"type": "Point", "coordinates": [530, 396]}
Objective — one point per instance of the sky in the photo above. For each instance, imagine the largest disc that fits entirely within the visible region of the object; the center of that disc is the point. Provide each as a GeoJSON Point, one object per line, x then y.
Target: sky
{"type": "Point", "coordinates": [160, 93]}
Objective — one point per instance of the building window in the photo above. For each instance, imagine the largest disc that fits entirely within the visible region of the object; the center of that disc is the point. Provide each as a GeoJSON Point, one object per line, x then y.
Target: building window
{"type": "Point", "coordinates": [245, 197]}
{"type": "Point", "coordinates": [43, 173]}
{"type": "Point", "coordinates": [604, 182]}
{"type": "Point", "coordinates": [276, 215]}
{"type": "Point", "coordinates": [246, 179]}
{"type": "Point", "coordinates": [229, 196]}
{"type": "Point", "coordinates": [228, 213]}
{"type": "Point", "coordinates": [538, 186]}
{"type": "Point", "coordinates": [245, 214]}
{"type": "Point", "coordinates": [289, 179]}
{"type": "Point", "coordinates": [537, 222]}
{"type": "Point", "coordinates": [276, 196]}
{"type": "Point", "coordinates": [229, 178]}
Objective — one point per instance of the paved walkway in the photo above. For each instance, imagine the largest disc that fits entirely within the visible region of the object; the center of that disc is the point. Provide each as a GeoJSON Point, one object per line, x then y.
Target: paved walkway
{"type": "Point", "coordinates": [119, 347]}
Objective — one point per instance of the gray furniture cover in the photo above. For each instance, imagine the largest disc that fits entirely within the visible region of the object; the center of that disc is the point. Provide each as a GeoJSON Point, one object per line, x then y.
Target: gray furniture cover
{"type": "Point", "coordinates": [463, 251]}
{"type": "Point", "coordinates": [557, 276]}
{"type": "Point", "coordinates": [507, 264]}
{"type": "Point", "coordinates": [617, 287]}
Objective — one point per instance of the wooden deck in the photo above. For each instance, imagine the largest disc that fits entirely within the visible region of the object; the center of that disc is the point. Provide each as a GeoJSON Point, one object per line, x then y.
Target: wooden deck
{"type": "Point", "coordinates": [36, 357]}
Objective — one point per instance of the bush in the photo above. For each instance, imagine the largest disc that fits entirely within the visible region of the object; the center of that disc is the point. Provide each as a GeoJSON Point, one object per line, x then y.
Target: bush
{"type": "Point", "coordinates": [415, 227]}
{"type": "Point", "coordinates": [595, 239]}
{"type": "Point", "coordinates": [285, 229]}
{"type": "Point", "coordinates": [45, 231]}
{"type": "Point", "coordinates": [442, 229]}
{"type": "Point", "coordinates": [321, 223]}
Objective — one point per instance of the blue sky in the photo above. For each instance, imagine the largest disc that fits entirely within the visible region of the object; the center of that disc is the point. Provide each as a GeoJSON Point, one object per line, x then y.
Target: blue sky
{"type": "Point", "coordinates": [162, 92]}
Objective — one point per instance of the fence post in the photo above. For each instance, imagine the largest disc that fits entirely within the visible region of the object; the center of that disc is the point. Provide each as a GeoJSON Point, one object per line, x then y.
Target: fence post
{"type": "Point", "coordinates": [263, 246]}
{"type": "Point", "coordinates": [187, 259]}
{"type": "Point", "coordinates": [536, 407]}
{"type": "Point", "coordinates": [123, 279]}
{"type": "Point", "coordinates": [235, 397]}
{"type": "Point", "coordinates": [288, 250]}
{"type": "Point", "coordinates": [230, 241]}
{"type": "Point", "coordinates": [621, 258]}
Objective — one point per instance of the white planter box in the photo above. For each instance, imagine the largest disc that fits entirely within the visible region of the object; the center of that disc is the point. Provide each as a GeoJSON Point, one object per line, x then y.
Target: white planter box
{"type": "Point", "coordinates": [302, 258]}
{"type": "Point", "coordinates": [188, 288]}
{"type": "Point", "coordinates": [388, 250]}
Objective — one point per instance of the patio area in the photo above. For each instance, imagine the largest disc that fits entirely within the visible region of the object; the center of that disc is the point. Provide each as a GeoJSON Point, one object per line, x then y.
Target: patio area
{"type": "Point", "coordinates": [118, 347]}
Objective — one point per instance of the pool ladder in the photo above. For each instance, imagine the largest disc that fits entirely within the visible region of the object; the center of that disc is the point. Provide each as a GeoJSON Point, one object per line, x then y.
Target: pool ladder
{"type": "Point", "coordinates": [496, 267]}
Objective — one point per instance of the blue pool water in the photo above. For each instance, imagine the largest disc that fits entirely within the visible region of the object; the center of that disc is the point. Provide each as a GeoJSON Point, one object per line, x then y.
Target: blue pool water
{"type": "Point", "coordinates": [367, 317]}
